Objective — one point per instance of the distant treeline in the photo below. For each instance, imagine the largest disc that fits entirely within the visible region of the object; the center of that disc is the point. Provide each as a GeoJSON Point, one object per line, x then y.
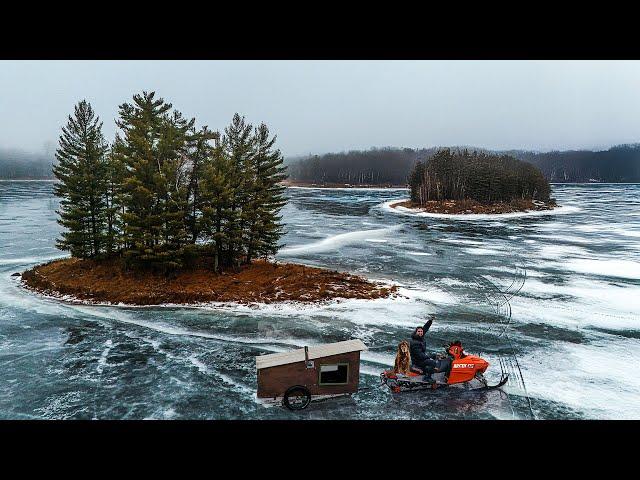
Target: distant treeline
{"type": "Point", "coordinates": [486, 178]}
{"type": "Point", "coordinates": [393, 165]}
{"type": "Point", "coordinates": [21, 165]}
{"type": "Point", "coordinates": [373, 167]}
{"type": "Point", "coordinates": [618, 164]}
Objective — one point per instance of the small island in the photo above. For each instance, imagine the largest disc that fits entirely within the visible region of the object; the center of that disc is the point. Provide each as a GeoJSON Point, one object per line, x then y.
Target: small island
{"type": "Point", "coordinates": [108, 281]}
{"type": "Point", "coordinates": [467, 183]}
{"type": "Point", "coordinates": [172, 214]}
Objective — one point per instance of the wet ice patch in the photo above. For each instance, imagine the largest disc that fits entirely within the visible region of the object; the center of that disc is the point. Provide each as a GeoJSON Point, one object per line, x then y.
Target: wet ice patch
{"type": "Point", "coordinates": [580, 303]}
{"type": "Point", "coordinates": [199, 364]}
{"type": "Point", "coordinates": [530, 272]}
{"type": "Point", "coordinates": [561, 251]}
{"type": "Point", "coordinates": [334, 242]}
{"type": "Point", "coordinates": [102, 361]}
{"type": "Point", "coordinates": [432, 295]}
{"type": "Point", "coordinates": [407, 308]}
{"type": "Point", "coordinates": [484, 251]}
{"type": "Point", "coordinates": [606, 268]}
{"type": "Point", "coordinates": [554, 238]}
{"type": "Point", "coordinates": [463, 241]}
{"type": "Point", "coordinates": [378, 358]}
{"type": "Point", "coordinates": [454, 282]}
{"type": "Point", "coordinates": [595, 378]}
{"type": "Point", "coordinates": [30, 260]}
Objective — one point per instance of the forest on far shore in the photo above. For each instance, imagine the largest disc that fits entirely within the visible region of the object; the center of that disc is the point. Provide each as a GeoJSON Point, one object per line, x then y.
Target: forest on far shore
{"type": "Point", "coordinates": [18, 165]}
{"type": "Point", "coordinates": [392, 166]}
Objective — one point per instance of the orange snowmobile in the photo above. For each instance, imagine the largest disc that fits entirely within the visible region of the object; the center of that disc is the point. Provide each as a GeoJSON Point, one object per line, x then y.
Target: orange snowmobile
{"type": "Point", "coordinates": [454, 368]}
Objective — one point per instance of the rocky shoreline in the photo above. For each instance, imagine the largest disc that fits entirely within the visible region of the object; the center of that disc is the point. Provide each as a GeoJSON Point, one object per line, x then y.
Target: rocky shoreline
{"type": "Point", "coordinates": [109, 282]}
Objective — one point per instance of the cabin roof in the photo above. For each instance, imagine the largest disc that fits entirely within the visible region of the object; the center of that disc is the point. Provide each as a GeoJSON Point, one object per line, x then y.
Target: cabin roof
{"type": "Point", "coordinates": [315, 351]}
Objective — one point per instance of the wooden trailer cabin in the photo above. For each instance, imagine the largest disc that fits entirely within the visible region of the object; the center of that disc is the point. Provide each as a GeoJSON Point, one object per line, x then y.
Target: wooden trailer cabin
{"type": "Point", "coordinates": [327, 369]}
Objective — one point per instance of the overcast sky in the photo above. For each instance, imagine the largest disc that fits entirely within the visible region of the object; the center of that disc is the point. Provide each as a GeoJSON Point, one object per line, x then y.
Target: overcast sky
{"type": "Point", "coordinates": [322, 106]}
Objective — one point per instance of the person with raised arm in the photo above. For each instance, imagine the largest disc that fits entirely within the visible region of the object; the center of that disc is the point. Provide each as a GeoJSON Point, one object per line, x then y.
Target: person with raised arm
{"type": "Point", "coordinates": [418, 348]}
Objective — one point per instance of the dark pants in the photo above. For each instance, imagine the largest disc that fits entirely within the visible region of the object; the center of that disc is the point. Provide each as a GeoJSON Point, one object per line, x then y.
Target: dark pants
{"type": "Point", "coordinates": [444, 365]}
{"type": "Point", "coordinates": [427, 366]}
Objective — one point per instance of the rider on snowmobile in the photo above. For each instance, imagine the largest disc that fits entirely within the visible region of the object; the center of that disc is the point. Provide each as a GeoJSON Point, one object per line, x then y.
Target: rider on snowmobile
{"type": "Point", "coordinates": [419, 356]}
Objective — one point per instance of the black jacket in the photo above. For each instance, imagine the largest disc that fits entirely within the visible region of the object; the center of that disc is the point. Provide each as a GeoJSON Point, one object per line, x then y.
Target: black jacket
{"type": "Point", "coordinates": [417, 346]}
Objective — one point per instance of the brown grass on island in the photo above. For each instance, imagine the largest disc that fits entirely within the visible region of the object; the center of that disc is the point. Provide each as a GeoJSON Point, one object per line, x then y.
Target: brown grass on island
{"type": "Point", "coordinates": [470, 207]}
{"type": "Point", "coordinates": [260, 282]}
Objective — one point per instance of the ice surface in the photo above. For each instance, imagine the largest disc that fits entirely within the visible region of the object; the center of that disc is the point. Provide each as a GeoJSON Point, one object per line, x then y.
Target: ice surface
{"type": "Point", "coordinates": [605, 268]}
{"type": "Point", "coordinates": [334, 242]}
{"type": "Point", "coordinates": [574, 324]}
{"type": "Point", "coordinates": [562, 210]}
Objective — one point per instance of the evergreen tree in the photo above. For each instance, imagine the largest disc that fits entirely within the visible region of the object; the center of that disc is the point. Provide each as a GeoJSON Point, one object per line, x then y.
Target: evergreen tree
{"type": "Point", "coordinates": [172, 188]}
{"type": "Point", "coordinates": [167, 193]}
{"type": "Point", "coordinates": [218, 218]}
{"type": "Point", "coordinates": [115, 175]}
{"type": "Point", "coordinates": [153, 149]}
{"type": "Point", "coordinates": [267, 197]}
{"type": "Point", "coordinates": [239, 144]}
{"type": "Point", "coordinates": [201, 153]}
{"type": "Point", "coordinates": [479, 176]}
{"type": "Point", "coordinates": [81, 171]}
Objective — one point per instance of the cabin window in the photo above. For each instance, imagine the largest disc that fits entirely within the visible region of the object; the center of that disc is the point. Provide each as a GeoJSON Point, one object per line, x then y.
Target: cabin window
{"type": "Point", "coordinates": [336, 374]}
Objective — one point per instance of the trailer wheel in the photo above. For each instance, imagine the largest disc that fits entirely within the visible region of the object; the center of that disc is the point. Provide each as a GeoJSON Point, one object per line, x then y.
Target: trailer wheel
{"type": "Point", "coordinates": [297, 397]}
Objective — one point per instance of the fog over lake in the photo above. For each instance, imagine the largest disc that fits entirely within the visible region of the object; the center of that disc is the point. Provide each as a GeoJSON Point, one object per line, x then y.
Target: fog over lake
{"type": "Point", "coordinates": [327, 106]}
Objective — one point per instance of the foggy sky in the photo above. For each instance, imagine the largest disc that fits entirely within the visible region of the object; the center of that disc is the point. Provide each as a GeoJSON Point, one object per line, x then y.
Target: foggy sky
{"type": "Point", "coordinates": [327, 106]}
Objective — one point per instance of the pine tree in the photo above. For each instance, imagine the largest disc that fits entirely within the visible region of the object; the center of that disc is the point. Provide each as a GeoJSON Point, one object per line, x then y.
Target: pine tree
{"type": "Point", "coordinates": [201, 153]}
{"type": "Point", "coordinates": [267, 197]}
{"type": "Point", "coordinates": [167, 193]}
{"type": "Point", "coordinates": [81, 170]}
{"type": "Point", "coordinates": [172, 189]}
{"type": "Point", "coordinates": [153, 150]}
{"type": "Point", "coordinates": [240, 148]}
{"type": "Point", "coordinates": [140, 124]}
{"type": "Point", "coordinates": [115, 175]}
{"type": "Point", "coordinates": [218, 218]}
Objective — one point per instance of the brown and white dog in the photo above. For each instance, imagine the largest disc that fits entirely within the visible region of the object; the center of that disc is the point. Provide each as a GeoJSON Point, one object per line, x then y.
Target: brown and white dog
{"type": "Point", "coordinates": [403, 359]}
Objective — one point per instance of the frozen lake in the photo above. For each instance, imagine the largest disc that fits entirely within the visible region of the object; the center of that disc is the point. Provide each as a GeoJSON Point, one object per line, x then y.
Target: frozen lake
{"type": "Point", "coordinates": [572, 279]}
